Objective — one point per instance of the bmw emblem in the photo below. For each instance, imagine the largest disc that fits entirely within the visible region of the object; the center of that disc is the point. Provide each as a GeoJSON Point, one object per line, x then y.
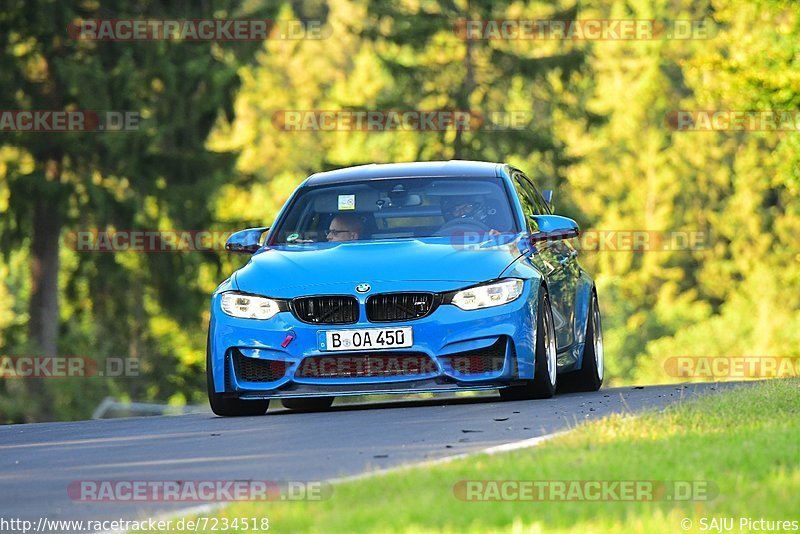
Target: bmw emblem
{"type": "Point", "coordinates": [363, 288]}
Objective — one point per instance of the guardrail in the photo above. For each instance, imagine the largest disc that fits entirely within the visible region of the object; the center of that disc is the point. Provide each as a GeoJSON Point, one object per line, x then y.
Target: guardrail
{"type": "Point", "coordinates": [111, 408]}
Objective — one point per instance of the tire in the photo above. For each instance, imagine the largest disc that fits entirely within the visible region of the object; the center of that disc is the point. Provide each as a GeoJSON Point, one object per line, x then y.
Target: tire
{"type": "Point", "coordinates": [308, 404]}
{"type": "Point", "coordinates": [590, 376]}
{"type": "Point", "coordinates": [230, 407]}
{"type": "Point", "coordinates": [543, 385]}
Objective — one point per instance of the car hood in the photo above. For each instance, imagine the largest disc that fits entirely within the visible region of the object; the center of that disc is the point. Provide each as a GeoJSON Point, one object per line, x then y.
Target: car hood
{"type": "Point", "coordinates": [281, 270]}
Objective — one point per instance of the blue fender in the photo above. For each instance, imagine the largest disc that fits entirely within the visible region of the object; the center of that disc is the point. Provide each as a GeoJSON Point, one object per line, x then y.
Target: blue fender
{"type": "Point", "coordinates": [583, 298]}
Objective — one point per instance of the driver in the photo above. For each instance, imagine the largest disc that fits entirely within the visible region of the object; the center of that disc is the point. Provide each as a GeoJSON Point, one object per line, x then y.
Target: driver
{"type": "Point", "coordinates": [345, 227]}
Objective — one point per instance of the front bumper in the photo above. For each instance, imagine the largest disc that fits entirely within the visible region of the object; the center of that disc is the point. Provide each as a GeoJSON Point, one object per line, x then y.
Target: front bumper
{"type": "Point", "coordinates": [453, 350]}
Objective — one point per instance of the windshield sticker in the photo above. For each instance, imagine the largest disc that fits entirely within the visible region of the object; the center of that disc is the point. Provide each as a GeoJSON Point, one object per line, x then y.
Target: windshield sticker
{"type": "Point", "coordinates": [347, 202]}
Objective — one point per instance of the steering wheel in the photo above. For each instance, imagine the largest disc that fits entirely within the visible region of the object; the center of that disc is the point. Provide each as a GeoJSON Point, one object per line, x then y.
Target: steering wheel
{"type": "Point", "coordinates": [466, 223]}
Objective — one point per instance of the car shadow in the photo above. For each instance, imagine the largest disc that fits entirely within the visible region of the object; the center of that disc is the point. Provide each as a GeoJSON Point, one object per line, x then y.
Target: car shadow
{"type": "Point", "coordinates": [277, 409]}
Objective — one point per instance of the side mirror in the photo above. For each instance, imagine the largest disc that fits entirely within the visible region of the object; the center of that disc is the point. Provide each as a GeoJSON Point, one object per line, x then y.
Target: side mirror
{"type": "Point", "coordinates": [547, 194]}
{"type": "Point", "coordinates": [553, 228]}
{"type": "Point", "coordinates": [245, 241]}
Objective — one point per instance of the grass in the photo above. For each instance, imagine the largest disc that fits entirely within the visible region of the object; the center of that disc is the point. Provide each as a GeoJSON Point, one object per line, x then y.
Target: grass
{"type": "Point", "coordinates": [745, 442]}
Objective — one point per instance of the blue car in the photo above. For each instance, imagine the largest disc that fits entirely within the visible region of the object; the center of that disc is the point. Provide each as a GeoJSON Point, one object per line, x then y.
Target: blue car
{"type": "Point", "coordinates": [405, 278]}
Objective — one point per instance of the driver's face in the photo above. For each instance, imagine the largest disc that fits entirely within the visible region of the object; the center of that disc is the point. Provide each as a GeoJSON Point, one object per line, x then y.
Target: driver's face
{"type": "Point", "coordinates": [340, 231]}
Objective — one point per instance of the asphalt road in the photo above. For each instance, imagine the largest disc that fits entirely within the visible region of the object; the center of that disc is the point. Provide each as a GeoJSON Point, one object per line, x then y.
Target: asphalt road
{"type": "Point", "coordinates": [39, 461]}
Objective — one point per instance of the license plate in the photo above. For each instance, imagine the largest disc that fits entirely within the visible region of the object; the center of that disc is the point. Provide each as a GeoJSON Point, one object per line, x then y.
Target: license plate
{"type": "Point", "coordinates": [367, 339]}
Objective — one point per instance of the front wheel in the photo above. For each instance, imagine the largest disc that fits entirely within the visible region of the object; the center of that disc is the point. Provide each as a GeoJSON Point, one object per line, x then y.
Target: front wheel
{"type": "Point", "coordinates": [230, 407]}
{"type": "Point", "coordinates": [543, 385]}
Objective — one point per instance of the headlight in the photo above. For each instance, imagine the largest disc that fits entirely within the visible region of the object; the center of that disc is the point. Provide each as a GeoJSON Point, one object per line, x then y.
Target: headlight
{"type": "Point", "coordinates": [488, 295]}
{"type": "Point", "coordinates": [248, 306]}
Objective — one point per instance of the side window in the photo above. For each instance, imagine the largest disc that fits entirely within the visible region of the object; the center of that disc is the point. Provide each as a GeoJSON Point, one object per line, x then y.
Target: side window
{"type": "Point", "coordinates": [539, 204]}
{"type": "Point", "coordinates": [528, 206]}
{"type": "Point", "coordinates": [539, 199]}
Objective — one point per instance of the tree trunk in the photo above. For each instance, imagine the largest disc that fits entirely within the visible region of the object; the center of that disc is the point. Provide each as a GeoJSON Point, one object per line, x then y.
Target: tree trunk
{"type": "Point", "coordinates": [43, 310]}
{"type": "Point", "coordinates": [465, 93]}
{"type": "Point", "coordinates": [43, 306]}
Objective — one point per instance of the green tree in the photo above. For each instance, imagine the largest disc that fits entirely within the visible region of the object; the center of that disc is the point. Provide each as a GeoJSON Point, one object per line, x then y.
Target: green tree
{"type": "Point", "coordinates": [160, 174]}
{"type": "Point", "coordinates": [434, 63]}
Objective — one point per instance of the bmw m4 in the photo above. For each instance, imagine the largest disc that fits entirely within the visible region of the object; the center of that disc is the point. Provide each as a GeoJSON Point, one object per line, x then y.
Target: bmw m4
{"type": "Point", "coordinates": [405, 278]}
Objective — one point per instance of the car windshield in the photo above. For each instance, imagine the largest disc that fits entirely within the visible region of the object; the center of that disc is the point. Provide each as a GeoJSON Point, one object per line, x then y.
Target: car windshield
{"type": "Point", "coordinates": [396, 208]}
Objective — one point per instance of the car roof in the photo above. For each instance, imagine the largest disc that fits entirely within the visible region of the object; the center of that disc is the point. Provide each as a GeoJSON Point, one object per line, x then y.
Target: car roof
{"type": "Point", "coordinates": [418, 169]}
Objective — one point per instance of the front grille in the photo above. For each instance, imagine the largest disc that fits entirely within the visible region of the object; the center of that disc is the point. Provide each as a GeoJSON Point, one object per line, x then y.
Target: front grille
{"type": "Point", "coordinates": [366, 365]}
{"type": "Point", "coordinates": [333, 309]}
{"type": "Point", "coordinates": [488, 360]}
{"type": "Point", "coordinates": [399, 306]}
{"type": "Point", "coordinates": [257, 370]}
